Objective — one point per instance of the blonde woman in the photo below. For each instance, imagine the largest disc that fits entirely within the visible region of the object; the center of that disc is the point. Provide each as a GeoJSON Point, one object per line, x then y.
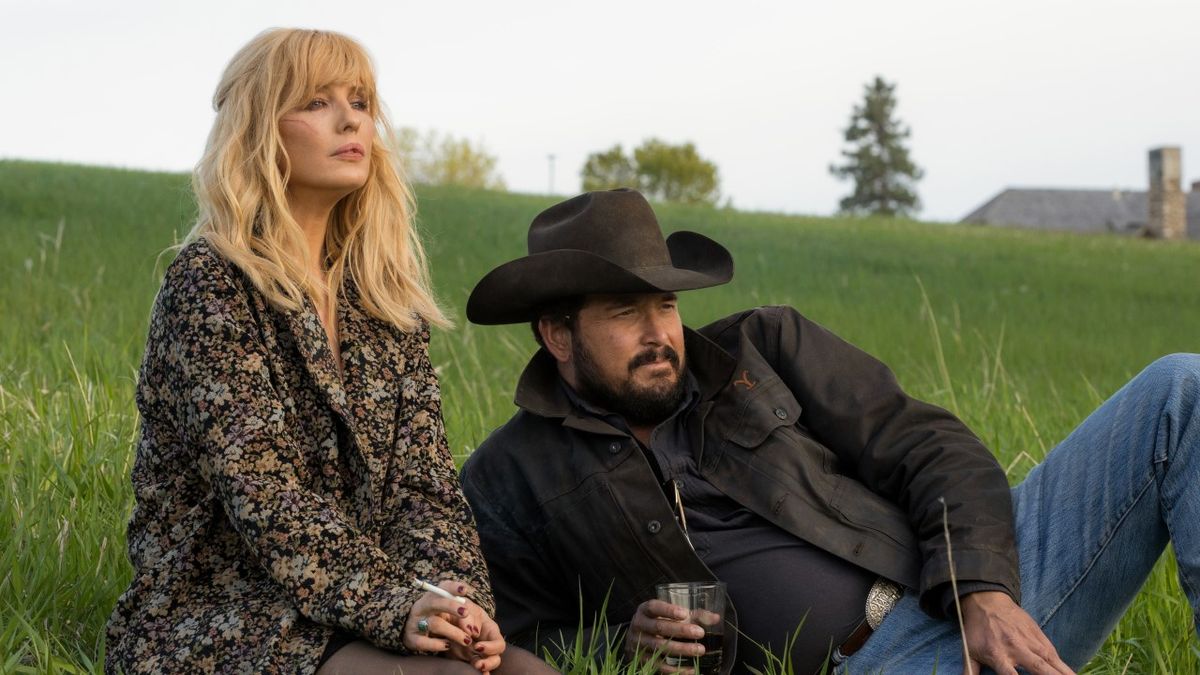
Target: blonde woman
{"type": "Point", "coordinates": [292, 476]}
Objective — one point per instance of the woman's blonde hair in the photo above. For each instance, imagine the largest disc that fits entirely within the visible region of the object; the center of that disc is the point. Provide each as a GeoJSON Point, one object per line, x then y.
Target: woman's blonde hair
{"type": "Point", "coordinates": [240, 185]}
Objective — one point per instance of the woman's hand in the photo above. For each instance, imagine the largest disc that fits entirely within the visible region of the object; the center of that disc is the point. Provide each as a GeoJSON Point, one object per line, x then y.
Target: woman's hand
{"type": "Point", "coordinates": [489, 645]}
{"type": "Point", "coordinates": [460, 631]}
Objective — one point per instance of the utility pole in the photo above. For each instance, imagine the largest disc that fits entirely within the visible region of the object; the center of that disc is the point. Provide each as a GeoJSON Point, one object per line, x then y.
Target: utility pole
{"type": "Point", "coordinates": [550, 158]}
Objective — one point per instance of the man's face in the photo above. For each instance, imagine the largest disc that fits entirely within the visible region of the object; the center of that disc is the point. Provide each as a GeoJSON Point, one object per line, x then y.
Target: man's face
{"type": "Point", "coordinates": [628, 356]}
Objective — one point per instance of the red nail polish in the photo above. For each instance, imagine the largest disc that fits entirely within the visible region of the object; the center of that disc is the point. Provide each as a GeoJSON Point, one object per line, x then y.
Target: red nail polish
{"type": "Point", "coordinates": [478, 648]}
{"type": "Point", "coordinates": [462, 611]}
{"type": "Point", "coordinates": [462, 589]}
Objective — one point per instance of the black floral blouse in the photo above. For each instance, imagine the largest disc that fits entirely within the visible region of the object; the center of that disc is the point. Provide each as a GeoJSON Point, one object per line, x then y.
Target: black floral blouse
{"type": "Point", "coordinates": [276, 500]}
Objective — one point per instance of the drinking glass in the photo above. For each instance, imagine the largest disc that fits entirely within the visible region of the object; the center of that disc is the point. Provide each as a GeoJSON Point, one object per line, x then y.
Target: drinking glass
{"type": "Point", "coordinates": [705, 604]}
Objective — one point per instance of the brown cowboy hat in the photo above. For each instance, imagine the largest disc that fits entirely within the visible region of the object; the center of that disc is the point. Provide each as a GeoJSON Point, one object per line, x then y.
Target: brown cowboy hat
{"type": "Point", "coordinates": [598, 242]}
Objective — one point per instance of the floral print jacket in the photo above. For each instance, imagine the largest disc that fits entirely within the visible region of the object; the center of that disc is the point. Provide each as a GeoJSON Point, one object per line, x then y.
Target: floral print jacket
{"type": "Point", "coordinates": [277, 500]}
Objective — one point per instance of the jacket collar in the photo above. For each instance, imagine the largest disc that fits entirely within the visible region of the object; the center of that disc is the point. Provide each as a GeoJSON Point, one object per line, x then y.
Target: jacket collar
{"type": "Point", "coordinates": [369, 395]}
{"type": "Point", "coordinates": [539, 392]}
{"type": "Point", "coordinates": [311, 340]}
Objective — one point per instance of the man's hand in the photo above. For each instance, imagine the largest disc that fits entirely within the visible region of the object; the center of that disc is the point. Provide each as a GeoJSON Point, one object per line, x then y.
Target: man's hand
{"type": "Point", "coordinates": [657, 628]}
{"type": "Point", "coordinates": [1004, 637]}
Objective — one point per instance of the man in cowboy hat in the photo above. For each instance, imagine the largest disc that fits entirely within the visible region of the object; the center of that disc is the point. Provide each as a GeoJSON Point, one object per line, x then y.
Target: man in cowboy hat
{"type": "Point", "coordinates": [763, 451]}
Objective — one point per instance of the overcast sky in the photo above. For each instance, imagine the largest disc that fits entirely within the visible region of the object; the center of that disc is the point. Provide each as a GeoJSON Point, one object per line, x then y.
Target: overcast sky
{"type": "Point", "coordinates": [1044, 93]}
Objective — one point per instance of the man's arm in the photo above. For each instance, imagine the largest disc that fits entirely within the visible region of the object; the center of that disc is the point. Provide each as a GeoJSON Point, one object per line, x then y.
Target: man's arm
{"type": "Point", "coordinates": [918, 454]}
{"type": "Point", "coordinates": [535, 610]}
{"type": "Point", "coordinates": [909, 451]}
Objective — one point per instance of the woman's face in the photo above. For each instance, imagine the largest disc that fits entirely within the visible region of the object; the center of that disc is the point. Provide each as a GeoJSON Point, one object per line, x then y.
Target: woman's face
{"type": "Point", "coordinates": [328, 142]}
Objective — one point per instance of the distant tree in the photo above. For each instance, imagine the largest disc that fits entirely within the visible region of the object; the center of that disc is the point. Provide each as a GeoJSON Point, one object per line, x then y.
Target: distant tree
{"type": "Point", "coordinates": [609, 169]}
{"type": "Point", "coordinates": [674, 173]}
{"type": "Point", "coordinates": [436, 159]}
{"type": "Point", "coordinates": [876, 157]}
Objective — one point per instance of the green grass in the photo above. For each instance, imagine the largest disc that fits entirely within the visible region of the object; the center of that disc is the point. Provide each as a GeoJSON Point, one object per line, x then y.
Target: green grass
{"type": "Point", "coordinates": [1020, 333]}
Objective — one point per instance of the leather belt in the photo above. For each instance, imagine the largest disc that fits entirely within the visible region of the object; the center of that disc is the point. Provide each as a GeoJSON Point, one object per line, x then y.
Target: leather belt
{"type": "Point", "coordinates": [882, 597]}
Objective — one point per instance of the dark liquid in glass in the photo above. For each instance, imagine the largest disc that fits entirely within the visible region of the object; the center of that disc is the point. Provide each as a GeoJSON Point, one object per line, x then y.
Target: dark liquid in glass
{"type": "Point", "coordinates": [710, 663]}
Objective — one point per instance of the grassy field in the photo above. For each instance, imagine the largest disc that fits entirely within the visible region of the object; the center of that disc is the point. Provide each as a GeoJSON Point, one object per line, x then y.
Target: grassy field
{"type": "Point", "coordinates": [1020, 333]}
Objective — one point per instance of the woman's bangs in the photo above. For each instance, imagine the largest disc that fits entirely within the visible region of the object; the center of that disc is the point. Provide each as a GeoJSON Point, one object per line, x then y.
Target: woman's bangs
{"type": "Point", "coordinates": [333, 59]}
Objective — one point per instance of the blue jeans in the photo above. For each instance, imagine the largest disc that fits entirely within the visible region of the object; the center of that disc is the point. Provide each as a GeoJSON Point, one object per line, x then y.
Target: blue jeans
{"type": "Point", "coordinates": [1091, 521]}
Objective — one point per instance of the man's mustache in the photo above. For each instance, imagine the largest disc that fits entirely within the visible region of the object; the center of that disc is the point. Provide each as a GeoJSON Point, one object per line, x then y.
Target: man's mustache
{"type": "Point", "coordinates": [665, 352]}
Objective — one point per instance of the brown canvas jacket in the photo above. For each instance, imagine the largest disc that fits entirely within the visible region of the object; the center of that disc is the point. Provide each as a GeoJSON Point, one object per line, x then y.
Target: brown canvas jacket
{"type": "Point", "coordinates": [797, 425]}
{"type": "Point", "coordinates": [273, 499]}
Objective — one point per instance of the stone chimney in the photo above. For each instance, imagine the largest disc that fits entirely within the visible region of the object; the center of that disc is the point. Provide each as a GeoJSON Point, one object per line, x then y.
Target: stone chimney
{"type": "Point", "coordinates": [1168, 205]}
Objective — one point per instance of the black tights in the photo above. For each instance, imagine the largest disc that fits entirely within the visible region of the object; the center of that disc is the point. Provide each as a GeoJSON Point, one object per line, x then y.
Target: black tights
{"type": "Point", "coordinates": [360, 658]}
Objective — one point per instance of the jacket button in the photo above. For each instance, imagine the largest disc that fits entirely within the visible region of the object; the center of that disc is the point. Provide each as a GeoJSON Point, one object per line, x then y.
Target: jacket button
{"type": "Point", "coordinates": [781, 413]}
{"type": "Point", "coordinates": [653, 527]}
{"type": "Point", "coordinates": [614, 446]}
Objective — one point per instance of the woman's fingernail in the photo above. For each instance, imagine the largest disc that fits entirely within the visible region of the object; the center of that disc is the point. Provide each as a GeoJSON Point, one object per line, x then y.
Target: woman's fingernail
{"type": "Point", "coordinates": [462, 611]}
{"type": "Point", "coordinates": [461, 589]}
{"type": "Point", "coordinates": [466, 641]}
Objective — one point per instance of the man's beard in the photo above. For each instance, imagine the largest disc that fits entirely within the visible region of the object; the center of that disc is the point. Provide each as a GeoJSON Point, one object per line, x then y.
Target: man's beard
{"type": "Point", "coordinates": [640, 406]}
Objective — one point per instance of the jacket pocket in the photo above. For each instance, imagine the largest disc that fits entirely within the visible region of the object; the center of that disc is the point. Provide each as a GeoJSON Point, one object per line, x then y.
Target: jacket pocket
{"type": "Point", "coordinates": [602, 554]}
{"type": "Point", "coordinates": [860, 507]}
{"type": "Point", "coordinates": [753, 417]}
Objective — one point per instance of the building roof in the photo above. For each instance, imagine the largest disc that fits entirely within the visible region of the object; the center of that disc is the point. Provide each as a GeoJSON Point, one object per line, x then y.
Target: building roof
{"type": "Point", "coordinates": [1122, 211]}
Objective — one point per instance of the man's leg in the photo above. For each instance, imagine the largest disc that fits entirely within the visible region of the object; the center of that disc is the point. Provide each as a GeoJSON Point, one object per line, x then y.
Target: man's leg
{"type": "Point", "coordinates": [1091, 522]}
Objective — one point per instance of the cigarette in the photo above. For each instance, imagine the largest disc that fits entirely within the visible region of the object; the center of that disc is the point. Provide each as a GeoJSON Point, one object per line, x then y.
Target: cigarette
{"type": "Point", "coordinates": [426, 586]}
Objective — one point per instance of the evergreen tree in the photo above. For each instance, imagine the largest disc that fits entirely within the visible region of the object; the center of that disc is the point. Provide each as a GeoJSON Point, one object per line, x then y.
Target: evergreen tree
{"type": "Point", "coordinates": [876, 158]}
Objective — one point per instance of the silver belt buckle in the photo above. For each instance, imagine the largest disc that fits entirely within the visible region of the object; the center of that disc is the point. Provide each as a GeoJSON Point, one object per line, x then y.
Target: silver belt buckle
{"type": "Point", "coordinates": [882, 597]}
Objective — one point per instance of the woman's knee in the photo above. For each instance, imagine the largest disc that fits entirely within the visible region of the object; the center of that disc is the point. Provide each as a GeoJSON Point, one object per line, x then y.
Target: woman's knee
{"type": "Point", "coordinates": [517, 661]}
{"type": "Point", "coordinates": [362, 658]}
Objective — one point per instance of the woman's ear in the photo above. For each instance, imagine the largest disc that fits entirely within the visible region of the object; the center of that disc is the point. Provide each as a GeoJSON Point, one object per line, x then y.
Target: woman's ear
{"type": "Point", "coordinates": [557, 337]}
